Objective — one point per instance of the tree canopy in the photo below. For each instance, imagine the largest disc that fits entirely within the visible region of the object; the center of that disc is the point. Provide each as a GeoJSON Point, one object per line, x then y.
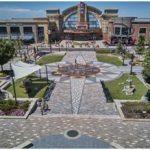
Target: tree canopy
{"type": "Point", "coordinates": [7, 51]}
{"type": "Point", "coordinates": [140, 46]}
{"type": "Point", "coordinates": [119, 48]}
{"type": "Point", "coordinates": [146, 71]}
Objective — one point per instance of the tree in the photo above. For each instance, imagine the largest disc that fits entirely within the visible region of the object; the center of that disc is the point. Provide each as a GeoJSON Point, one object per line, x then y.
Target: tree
{"type": "Point", "coordinates": [7, 51]}
{"type": "Point", "coordinates": [119, 47]}
{"type": "Point", "coordinates": [121, 50]}
{"type": "Point", "coordinates": [148, 44]}
{"type": "Point", "coordinates": [146, 71]}
{"type": "Point", "coordinates": [140, 46]}
{"type": "Point", "coordinates": [18, 45]}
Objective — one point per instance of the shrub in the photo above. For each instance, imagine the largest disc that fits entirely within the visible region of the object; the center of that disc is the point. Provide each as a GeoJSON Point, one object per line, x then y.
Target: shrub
{"type": "Point", "coordinates": [10, 105]}
{"type": "Point", "coordinates": [102, 51]}
{"type": "Point", "coordinates": [136, 103]}
{"type": "Point", "coordinates": [24, 106]}
{"type": "Point", "coordinates": [147, 109]}
{"type": "Point", "coordinates": [6, 107]}
{"type": "Point", "coordinates": [137, 111]}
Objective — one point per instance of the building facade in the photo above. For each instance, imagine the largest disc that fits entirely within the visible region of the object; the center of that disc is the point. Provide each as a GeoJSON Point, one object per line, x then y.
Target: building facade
{"type": "Point", "coordinates": [80, 22]}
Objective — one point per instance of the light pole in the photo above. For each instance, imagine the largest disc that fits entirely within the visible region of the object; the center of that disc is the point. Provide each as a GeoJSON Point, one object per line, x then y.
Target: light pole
{"type": "Point", "coordinates": [13, 83]}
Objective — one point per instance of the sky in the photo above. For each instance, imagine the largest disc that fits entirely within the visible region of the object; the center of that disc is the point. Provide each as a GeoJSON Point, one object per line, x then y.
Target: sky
{"type": "Point", "coordinates": [37, 9]}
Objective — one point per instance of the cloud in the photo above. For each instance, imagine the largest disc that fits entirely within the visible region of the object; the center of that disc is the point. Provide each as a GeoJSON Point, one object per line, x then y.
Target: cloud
{"type": "Point", "coordinates": [20, 10]}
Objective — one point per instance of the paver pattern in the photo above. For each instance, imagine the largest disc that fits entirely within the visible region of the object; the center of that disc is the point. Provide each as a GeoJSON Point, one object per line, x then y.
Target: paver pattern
{"type": "Point", "coordinates": [60, 100]}
{"type": "Point", "coordinates": [80, 98]}
{"type": "Point", "coordinates": [94, 101]}
{"type": "Point", "coordinates": [76, 88]}
{"type": "Point", "coordinates": [127, 134]}
{"type": "Point", "coordinates": [103, 121]}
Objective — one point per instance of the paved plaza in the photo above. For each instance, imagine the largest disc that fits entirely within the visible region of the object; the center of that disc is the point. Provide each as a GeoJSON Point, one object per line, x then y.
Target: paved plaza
{"type": "Point", "coordinates": [86, 111]}
{"type": "Point", "coordinates": [82, 95]}
{"type": "Point", "coordinates": [127, 134]}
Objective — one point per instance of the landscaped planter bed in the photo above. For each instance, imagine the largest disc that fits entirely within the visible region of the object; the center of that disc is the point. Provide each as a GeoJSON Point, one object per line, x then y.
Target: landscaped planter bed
{"type": "Point", "coordinates": [11, 108]}
{"type": "Point", "coordinates": [36, 88]}
{"type": "Point", "coordinates": [136, 110]}
{"type": "Point", "coordinates": [25, 114]}
{"type": "Point", "coordinates": [115, 88]}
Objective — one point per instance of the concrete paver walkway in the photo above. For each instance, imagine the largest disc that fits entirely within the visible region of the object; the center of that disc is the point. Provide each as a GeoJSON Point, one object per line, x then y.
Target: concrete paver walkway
{"type": "Point", "coordinates": [77, 97]}
{"type": "Point", "coordinates": [127, 134]}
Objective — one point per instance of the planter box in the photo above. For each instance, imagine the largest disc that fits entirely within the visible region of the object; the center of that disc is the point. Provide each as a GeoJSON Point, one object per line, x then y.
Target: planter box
{"type": "Point", "coordinates": [30, 110]}
{"type": "Point", "coordinates": [119, 105]}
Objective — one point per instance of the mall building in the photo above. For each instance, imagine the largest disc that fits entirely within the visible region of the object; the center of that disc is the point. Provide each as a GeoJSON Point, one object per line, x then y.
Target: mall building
{"type": "Point", "coordinates": [80, 22]}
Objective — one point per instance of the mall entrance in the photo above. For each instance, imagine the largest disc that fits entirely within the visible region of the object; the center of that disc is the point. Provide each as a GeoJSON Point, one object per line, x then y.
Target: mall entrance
{"type": "Point", "coordinates": [82, 36]}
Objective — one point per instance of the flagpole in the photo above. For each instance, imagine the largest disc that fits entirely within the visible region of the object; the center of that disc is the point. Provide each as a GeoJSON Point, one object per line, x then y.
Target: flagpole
{"type": "Point", "coordinates": [13, 83]}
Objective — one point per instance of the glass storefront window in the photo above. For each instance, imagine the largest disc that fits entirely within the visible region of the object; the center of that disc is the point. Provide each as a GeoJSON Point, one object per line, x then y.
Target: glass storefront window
{"type": "Point", "coordinates": [92, 21]}
{"type": "Point", "coordinates": [124, 31]}
{"type": "Point", "coordinates": [117, 30]}
{"type": "Point", "coordinates": [3, 30]}
{"type": "Point", "coordinates": [71, 21]}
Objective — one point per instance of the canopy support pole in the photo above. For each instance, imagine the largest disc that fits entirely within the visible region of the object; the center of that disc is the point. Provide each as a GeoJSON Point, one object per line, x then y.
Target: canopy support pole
{"type": "Point", "coordinates": [13, 83]}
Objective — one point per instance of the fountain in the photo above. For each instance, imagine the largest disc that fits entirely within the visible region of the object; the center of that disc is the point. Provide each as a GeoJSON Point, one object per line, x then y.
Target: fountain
{"type": "Point", "coordinates": [78, 70]}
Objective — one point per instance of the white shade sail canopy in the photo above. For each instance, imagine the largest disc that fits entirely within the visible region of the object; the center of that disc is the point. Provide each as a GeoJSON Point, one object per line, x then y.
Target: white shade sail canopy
{"type": "Point", "coordinates": [22, 69]}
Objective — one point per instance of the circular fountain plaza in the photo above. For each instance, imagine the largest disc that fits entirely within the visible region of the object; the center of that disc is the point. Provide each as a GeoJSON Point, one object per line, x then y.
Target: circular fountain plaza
{"type": "Point", "coordinates": [92, 71]}
{"type": "Point", "coordinates": [78, 84]}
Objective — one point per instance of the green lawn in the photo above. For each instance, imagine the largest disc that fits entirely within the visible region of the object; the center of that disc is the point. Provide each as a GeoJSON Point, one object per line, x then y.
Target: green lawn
{"type": "Point", "coordinates": [38, 87]}
{"type": "Point", "coordinates": [109, 59]}
{"type": "Point", "coordinates": [50, 59]}
{"type": "Point", "coordinates": [115, 88]}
